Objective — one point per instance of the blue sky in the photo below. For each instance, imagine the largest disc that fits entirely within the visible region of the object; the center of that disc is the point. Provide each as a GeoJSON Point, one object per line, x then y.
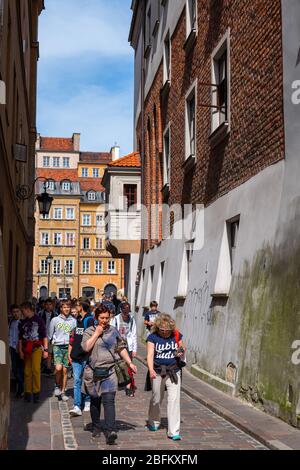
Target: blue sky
{"type": "Point", "coordinates": [85, 73]}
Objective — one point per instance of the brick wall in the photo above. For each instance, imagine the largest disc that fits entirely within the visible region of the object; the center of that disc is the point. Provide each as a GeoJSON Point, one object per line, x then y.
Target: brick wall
{"type": "Point", "coordinates": [256, 139]}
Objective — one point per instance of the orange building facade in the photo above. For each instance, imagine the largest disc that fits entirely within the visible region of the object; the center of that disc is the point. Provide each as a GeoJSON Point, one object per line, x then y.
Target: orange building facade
{"type": "Point", "coordinates": [74, 233]}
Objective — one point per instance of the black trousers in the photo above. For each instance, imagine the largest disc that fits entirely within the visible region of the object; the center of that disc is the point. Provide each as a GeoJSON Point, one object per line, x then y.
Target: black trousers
{"type": "Point", "coordinates": [108, 401]}
{"type": "Point", "coordinates": [17, 370]}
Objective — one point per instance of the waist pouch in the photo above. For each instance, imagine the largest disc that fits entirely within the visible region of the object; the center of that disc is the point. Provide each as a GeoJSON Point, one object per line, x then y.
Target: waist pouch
{"type": "Point", "coordinates": [101, 373]}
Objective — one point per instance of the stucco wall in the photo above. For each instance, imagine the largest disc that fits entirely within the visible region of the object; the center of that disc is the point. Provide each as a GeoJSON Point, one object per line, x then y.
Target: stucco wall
{"type": "Point", "coordinates": [219, 332]}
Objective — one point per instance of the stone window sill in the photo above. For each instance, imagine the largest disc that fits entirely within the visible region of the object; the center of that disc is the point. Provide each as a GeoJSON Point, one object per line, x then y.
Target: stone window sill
{"type": "Point", "coordinates": [219, 134]}
{"type": "Point", "coordinates": [189, 163]}
{"type": "Point", "coordinates": [190, 40]}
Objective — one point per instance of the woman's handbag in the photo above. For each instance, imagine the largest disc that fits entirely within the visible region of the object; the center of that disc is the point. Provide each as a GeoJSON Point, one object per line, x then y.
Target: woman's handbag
{"type": "Point", "coordinates": [123, 375]}
{"type": "Point", "coordinates": [121, 369]}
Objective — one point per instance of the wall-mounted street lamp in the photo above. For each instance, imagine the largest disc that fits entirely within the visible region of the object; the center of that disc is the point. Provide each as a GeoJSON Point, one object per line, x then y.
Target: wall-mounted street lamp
{"type": "Point", "coordinates": [24, 192]}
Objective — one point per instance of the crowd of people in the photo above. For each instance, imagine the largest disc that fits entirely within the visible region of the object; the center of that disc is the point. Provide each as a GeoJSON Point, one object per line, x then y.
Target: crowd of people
{"type": "Point", "coordinates": [89, 338]}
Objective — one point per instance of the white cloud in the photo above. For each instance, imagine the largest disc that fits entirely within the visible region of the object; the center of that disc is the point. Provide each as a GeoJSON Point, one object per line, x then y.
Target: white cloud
{"type": "Point", "coordinates": [102, 117]}
{"type": "Point", "coordinates": [71, 28]}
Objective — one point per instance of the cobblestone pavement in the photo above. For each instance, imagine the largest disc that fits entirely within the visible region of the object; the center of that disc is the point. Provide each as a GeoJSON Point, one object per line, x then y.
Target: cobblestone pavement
{"type": "Point", "coordinates": [200, 428]}
{"type": "Point", "coordinates": [47, 425]}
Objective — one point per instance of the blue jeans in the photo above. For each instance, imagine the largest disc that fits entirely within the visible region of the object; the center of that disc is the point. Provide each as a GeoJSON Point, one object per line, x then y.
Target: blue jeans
{"type": "Point", "coordinates": [79, 397]}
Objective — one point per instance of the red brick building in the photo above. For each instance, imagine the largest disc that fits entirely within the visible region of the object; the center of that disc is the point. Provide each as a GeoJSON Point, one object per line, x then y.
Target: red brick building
{"type": "Point", "coordinates": [210, 79]}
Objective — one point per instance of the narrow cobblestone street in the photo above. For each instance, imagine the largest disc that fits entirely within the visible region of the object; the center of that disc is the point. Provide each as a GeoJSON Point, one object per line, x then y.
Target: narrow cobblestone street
{"type": "Point", "coordinates": [46, 426]}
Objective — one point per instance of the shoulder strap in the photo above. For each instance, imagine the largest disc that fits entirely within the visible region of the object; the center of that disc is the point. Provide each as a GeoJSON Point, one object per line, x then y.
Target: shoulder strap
{"type": "Point", "coordinates": [112, 355]}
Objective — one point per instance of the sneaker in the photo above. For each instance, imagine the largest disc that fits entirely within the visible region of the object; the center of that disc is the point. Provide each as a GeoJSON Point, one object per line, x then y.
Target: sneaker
{"type": "Point", "coordinates": [57, 391]}
{"type": "Point", "coordinates": [76, 411]}
{"type": "Point", "coordinates": [111, 437]}
{"type": "Point", "coordinates": [129, 392]}
{"type": "Point", "coordinates": [175, 438]}
{"type": "Point", "coordinates": [87, 406]}
{"type": "Point", "coordinates": [153, 428]}
{"type": "Point", "coordinates": [64, 397]}
{"type": "Point", "coordinates": [36, 398]}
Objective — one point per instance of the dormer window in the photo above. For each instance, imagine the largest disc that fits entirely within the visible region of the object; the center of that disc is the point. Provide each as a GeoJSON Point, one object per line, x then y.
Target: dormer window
{"type": "Point", "coordinates": [92, 196]}
{"type": "Point", "coordinates": [66, 186]}
{"type": "Point", "coordinates": [50, 185]}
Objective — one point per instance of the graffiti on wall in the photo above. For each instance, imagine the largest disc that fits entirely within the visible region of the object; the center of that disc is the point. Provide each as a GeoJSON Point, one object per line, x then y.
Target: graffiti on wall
{"type": "Point", "coordinates": [198, 313]}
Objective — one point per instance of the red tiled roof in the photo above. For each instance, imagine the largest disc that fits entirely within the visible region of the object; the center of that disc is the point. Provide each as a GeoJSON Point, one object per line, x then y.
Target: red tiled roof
{"type": "Point", "coordinates": [95, 157]}
{"type": "Point", "coordinates": [58, 175]}
{"type": "Point", "coordinates": [57, 143]}
{"type": "Point", "coordinates": [131, 160]}
{"type": "Point", "coordinates": [87, 184]}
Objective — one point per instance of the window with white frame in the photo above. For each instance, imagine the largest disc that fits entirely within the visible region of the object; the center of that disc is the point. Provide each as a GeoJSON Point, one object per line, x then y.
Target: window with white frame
{"type": "Point", "coordinates": [56, 267]}
{"type": "Point", "coordinates": [86, 243]}
{"type": "Point", "coordinates": [111, 267]}
{"type": "Point", "coordinates": [44, 266]}
{"type": "Point", "coordinates": [166, 157]}
{"type": "Point", "coordinates": [92, 196]}
{"type": "Point", "coordinates": [227, 256]}
{"type": "Point", "coordinates": [191, 17]}
{"type": "Point", "coordinates": [51, 185]}
{"type": "Point", "coordinates": [84, 172]}
{"type": "Point", "coordinates": [86, 220]}
{"type": "Point", "coordinates": [167, 58]}
{"type": "Point", "coordinates": [233, 231]}
{"type": "Point", "coordinates": [57, 213]}
{"type": "Point", "coordinates": [56, 162]}
{"type": "Point", "coordinates": [99, 243]}
{"type": "Point", "coordinates": [69, 266]}
{"type": "Point", "coordinates": [156, 16]}
{"type": "Point", "coordinates": [44, 238]}
{"type": "Point", "coordinates": [220, 83]}
{"type": "Point", "coordinates": [70, 239]}
{"type": "Point", "coordinates": [148, 29]}
{"type": "Point", "coordinates": [66, 185]}
{"type": "Point", "coordinates": [95, 172]}
{"type": "Point", "coordinates": [99, 219]}
{"type": "Point", "coordinates": [66, 162]}
{"type": "Point", "coordinates": [57, 239]}
{"type": "Point", "coordinates": [190, 124]}
{"type": "Point", "coordinates": [85, 267]}
{"type": "Point", "coordinates": [45, 217]}
{"type": "Point", "coordinates": [189, 257]}
{"type": "Point", "coordinates": [46, 162]}
{"type": "Point", "coordinates": [70, 213]}
{"type": "Point", "coordinates": [98, 267]}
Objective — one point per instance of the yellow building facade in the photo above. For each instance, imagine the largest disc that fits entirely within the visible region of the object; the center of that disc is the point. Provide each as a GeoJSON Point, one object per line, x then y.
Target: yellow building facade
{"type": "Point", "coordinates": [74, 233]}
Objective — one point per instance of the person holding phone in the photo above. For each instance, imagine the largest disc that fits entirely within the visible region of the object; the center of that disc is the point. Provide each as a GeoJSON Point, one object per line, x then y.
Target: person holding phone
{"type": "Point", "coordinates": [102, 341]}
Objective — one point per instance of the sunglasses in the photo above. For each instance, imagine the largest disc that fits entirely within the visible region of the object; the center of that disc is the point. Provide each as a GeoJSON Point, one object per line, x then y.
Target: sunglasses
{"type": "Point", "coordinates": [164, 330]}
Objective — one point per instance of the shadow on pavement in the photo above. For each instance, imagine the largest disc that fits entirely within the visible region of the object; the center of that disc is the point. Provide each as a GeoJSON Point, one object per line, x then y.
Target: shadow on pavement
{"type": "Point", "coordinates": [24, 416]}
